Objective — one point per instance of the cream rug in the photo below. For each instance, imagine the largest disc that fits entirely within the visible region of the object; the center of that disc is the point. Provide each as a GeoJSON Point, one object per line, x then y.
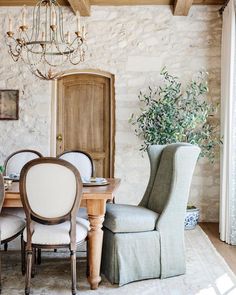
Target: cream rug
{"type": "Point", "coordinates": [207, 274]}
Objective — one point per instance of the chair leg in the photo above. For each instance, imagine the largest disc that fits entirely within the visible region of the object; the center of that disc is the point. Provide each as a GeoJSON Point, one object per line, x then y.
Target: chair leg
{"type": "Point", "coordinates": [73, 272]}
{"type": "Point", "coordinates": [28, 272]}
{"type": "Point", "coordinates": [39, 260]}
{"type": "Point", "coordinates": [87, 259]}
{"type": "Point", "coordinates": [23, 262]}
{"type": "Point", "coordinates": [33, 271]}
{"type": "Point", "coordinates": [5, 246]}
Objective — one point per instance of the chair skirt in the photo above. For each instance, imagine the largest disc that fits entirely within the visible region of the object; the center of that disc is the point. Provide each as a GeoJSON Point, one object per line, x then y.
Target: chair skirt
{"type": "Point", "coordinates": [129, 257]}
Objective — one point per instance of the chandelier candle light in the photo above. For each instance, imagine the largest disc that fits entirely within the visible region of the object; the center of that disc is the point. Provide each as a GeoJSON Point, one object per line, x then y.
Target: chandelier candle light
{"type": "Point", "coordinates": [45, 46]}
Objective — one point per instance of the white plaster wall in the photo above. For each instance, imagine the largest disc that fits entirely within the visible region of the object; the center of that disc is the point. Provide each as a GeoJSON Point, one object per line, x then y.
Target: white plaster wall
{"type": "Point", "coordinates": [133, 43]}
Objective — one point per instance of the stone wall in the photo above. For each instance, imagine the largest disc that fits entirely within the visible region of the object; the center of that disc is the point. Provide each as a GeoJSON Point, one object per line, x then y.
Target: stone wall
{"type": "Point", "coordinates": [133, 43]}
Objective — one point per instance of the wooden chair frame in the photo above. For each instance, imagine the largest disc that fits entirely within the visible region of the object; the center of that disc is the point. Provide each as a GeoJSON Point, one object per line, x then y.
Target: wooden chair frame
{"type": "Point", "coordinates": [32, 216]}
{"type": "Point", "coordinates": [5, 165]}
{"type": "Point", "coordinates": [2, 193]}
{"type": "Point", "coordinates": [80, 152]}
{"type": "Point", "coordinates": [18, 152]}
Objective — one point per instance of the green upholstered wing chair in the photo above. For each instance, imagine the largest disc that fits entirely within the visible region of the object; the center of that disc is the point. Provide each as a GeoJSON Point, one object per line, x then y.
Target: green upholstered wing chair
{"type": "Point", "coordinates": [147, 241]}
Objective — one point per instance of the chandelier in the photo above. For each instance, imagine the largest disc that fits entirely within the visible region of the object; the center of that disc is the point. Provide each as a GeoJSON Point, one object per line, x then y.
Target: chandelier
{"type": "Point", "coordinates": [45, 45]}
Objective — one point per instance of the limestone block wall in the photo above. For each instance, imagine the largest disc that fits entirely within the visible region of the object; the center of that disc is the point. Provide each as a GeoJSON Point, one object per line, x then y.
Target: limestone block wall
{"type": "Point", "coordinates": [133, 43]}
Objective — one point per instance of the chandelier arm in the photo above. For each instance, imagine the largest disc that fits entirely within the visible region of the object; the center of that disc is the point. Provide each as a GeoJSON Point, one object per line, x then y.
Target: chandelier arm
{"type": "Point", "coordinates": [15, 56]}
{"type": "Point", "coordinates": [16, 52]}
{"type": "Point", "coordinates": [81, 57]}
{"type": "Point", "coordinates": [79, 41]}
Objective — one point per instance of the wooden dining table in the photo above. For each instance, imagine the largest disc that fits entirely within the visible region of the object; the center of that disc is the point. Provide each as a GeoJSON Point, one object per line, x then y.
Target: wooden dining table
{"type": "Point", "coordinates": [94, 199]}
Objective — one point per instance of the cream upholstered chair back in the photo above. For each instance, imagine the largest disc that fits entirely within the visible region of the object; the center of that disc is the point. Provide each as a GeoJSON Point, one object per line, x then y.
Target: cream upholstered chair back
{"type": "Point", "coordinates": [15, 162]}
{"type": "Point", "coordinates": [81, 160]}
{"type": "Point", "coordinates": [172, 167]}
{"type": "Point", "coordinates": [50, 189]}
{"type": "Point", "coordinates": [2, 191]}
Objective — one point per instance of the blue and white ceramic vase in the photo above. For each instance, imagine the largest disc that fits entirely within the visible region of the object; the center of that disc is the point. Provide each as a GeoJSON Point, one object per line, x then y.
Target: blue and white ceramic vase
{"type": "Point", "coordinates": [191, 218]}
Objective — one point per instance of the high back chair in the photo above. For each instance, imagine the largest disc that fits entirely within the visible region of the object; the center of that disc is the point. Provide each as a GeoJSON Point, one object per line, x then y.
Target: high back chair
{"type": "Point", "coordinates": [51, 192]}
{"type": "Point", "coordinates": [15, 162]}
{"type": "Point", "coordinates": [147, 241]}
{"type": "Point", "coordinates": [11, 226]}
{"type": "Point", "coordinates": [81, 160]}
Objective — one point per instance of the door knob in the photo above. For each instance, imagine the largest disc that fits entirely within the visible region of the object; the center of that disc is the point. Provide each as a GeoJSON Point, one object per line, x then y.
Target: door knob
{"type": "Point", "coordinates": [59, 137]}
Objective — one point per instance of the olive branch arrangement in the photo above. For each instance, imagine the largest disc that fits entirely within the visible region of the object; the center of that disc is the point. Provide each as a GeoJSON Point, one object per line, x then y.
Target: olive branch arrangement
{"type": "Point", "coordinates": [171, 113]}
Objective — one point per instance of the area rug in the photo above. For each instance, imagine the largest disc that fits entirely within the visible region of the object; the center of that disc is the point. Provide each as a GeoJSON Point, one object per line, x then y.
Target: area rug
{"type": "Point", "coordinates": [207, 274]}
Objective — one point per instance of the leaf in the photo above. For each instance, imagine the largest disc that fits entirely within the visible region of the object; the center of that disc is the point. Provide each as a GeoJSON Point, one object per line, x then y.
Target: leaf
{"type": "Point", "coordinates": [172, 114]}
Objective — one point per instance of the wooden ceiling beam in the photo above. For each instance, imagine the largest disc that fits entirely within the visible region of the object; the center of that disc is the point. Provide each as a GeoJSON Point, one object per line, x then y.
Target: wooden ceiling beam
{"type": "Point", "coordinates": [182, 7]}
{"type": "Point", "coordinates": [130, 2]}
{"type": "Point", "coordinates": [83, 6]}
{"type": "Point", "coordinates": [149, 2]}
{"type": "Point", "coordinates": [27, 2]}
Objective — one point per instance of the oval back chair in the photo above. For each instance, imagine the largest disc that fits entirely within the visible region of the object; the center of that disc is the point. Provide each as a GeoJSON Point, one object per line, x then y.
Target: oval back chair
{"type": "Point", "coordinates": [15, 162]}
{"type": "Point", "coordinates": [51, 192]}
{"type": "Point", "coordinates": [81, 160]}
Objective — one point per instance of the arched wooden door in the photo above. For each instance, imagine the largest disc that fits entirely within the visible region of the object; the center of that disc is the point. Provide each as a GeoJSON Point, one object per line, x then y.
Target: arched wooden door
{"type": "Point", "coordinates": [85, 118]}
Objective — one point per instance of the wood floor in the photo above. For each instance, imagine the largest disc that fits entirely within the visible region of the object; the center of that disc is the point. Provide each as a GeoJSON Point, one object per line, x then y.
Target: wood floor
{"type": "Point", "coordinates": [227, 251]}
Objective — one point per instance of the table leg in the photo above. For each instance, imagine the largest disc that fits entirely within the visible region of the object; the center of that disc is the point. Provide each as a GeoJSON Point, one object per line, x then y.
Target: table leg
{"type": "Point", "coordinates": [96, 210]}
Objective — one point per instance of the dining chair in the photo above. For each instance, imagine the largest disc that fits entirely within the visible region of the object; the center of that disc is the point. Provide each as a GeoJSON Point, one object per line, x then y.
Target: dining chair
{"type": "Point", "coordinates": [15, 162]}
{"type": "Point", "coordinates": [51, 192]}
{"type": "Point", "coordinates": [147, 241]}
{"type": "Point", "coordinates": [81, 160]}
{"type": "Point", "coordinates": [11, 226]}
{"type": "Point", "coordinates": [84, 163]}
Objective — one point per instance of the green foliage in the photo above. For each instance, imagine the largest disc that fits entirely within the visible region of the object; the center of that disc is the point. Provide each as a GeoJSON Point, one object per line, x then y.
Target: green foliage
{"type": "Point", "coordinates": [172, 114]}
{"type": "Point", "coordinates": [1, 169]}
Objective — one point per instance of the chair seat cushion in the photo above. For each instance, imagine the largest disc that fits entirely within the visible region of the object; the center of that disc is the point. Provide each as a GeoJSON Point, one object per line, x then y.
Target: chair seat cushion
{"type": "Point", "coordinates": [57, 234]}
{"type": "Point", "coordinates": [128, 218]}
{"type": "Point", "coordinates": [11, 225]}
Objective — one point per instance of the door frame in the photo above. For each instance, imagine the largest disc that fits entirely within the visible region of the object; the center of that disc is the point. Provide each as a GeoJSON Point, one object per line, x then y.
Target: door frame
{"type": "Point", "coordinates": [53, 131]}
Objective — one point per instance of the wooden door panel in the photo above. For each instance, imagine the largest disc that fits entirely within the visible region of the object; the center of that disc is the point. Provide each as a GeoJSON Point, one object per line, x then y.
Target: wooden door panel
{"type": "Point", "coordinates": [88, 115]}
{"type": "Point", "coordinates": [85, 118]}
